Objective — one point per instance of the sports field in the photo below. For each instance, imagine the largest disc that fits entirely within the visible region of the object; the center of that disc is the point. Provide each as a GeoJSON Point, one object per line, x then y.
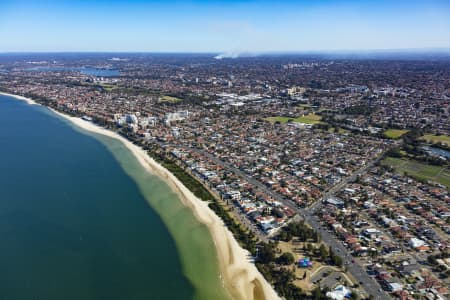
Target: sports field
{"type": "Point", "coordinates": [419, 170]}
{"type": "Point", "coordinates": [169, 99]}
{"type": "Point", "coordinates": [395, 133]}
{"type": "Point", "coordinates": [431, 138]}
{"type": "Point", "coordinates": [308, 119]}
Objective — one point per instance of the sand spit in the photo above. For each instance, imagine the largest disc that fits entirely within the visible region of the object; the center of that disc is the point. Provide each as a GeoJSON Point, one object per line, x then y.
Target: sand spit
{"type": "Point", "coordinates": [241, 277]}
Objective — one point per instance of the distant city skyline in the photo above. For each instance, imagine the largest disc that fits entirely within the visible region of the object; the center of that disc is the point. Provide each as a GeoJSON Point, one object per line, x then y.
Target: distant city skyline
{"type": "Point", "coordinates": [229, 27]}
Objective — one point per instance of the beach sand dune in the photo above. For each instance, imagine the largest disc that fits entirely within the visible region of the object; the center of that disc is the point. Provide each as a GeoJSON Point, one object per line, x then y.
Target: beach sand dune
{"type": "Point", "coordinates": [241, 278]}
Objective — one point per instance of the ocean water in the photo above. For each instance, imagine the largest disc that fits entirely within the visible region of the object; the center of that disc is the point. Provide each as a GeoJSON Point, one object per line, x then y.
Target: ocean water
{"type": "Point", "coordinates": [81, 219]}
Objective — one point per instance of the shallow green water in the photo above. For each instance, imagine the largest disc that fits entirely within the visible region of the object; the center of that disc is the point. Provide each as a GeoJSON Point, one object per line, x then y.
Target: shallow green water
{"type": "Point", "coordinates": [197, 250]}
{"type": "Point", "coordinates": [75, 219]}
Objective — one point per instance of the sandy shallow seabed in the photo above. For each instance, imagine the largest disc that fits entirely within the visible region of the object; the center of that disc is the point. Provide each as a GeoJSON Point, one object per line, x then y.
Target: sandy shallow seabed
{"type": "Point", "coordinates": [241, 278]}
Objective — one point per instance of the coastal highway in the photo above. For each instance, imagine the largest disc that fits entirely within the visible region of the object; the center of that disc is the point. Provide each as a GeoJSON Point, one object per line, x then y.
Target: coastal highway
{"type": "Point", "coordinates": [358, 271]}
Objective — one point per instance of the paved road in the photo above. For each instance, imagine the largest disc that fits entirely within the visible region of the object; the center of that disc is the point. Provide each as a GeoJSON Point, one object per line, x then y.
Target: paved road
{"type": "Point", "coordinates": [262, 236]}
{"type": "Point", "coordinates": [358, 272]}
{"type": "Point", "coordinates": [340, 185]}
{"type": "Point", "coordinates": [247, 177]}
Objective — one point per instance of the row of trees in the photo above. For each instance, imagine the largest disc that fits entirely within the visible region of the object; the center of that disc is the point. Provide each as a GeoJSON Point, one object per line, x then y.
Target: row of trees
{"type": "Point", "coordinates": [266, 259]}
{"type": "Point", "coordinates": [265, 253]}
{"type": "Point", "coordinates": [412, 146]}
{"type": "Point", "coordinates": [300, 230]}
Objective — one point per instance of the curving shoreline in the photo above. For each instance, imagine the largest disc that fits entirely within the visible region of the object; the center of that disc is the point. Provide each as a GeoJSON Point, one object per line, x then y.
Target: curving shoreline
{"type": "Point", "coordinates": [241, 278]}
{"type": "Point", "coordinates": [27, 100]}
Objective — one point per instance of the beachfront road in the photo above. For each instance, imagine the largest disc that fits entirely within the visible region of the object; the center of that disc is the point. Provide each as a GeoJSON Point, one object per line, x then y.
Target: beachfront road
{"type": "Point", "coordinates": [369, 284]}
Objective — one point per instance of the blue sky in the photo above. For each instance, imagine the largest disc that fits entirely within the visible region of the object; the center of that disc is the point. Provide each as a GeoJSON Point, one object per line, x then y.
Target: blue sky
{"type": "Point", "coordinates": [223, 26]}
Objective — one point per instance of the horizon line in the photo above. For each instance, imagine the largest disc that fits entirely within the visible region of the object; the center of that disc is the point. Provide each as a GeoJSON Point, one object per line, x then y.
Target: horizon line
{"type": "Point", "coordinates": [244, 52]}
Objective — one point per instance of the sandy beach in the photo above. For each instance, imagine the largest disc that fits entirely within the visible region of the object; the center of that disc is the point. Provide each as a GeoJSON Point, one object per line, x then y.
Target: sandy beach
{"type": "Point", "coordinates": [241, 278]}
{"type": "Point", "coordinates": [29, 101]}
